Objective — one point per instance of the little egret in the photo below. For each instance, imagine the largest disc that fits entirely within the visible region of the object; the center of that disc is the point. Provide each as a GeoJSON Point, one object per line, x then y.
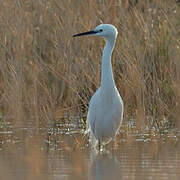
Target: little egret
{"type": "Point", "coordinates": [106, 106]}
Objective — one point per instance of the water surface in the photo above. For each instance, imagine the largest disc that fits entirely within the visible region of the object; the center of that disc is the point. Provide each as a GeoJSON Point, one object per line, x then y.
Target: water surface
{"type": "Point", "coordinates": [67, 156]}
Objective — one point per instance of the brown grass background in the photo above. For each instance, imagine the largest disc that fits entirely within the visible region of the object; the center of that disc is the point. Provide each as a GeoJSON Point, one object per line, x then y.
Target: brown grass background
{"type": "Point", "coordinates": [45, 74]}
{"type": "Point", "coordinates": [48, 78]}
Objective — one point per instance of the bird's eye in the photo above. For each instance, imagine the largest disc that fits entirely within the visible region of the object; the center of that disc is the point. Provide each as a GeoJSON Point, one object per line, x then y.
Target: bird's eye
{"type": "Point", "coordinates": [100, 30]}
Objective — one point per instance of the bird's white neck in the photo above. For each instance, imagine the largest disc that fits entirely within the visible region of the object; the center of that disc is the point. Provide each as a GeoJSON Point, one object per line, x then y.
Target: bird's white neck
{"type": "Point", "coordinates": [107, 79]}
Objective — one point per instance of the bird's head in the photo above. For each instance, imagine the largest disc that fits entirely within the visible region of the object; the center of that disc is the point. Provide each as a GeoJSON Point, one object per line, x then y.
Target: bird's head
{"type": "Point", "coordinates": [107, 31]}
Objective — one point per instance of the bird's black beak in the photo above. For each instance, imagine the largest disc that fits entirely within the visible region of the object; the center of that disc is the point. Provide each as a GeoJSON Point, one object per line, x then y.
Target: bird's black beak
{"type": "Point", "coordinates": [85, 33]}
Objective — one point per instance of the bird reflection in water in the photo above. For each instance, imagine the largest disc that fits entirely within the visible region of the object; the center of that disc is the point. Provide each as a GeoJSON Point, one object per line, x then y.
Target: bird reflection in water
{"type": "Point", "coordinates": [104, 166]}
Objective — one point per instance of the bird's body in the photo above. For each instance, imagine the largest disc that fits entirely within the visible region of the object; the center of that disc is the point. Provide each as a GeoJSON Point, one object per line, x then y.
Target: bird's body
{"type": "Point", "coordinates": [104, 115]}
{"type": "Point", "coordinates": [106, 105]}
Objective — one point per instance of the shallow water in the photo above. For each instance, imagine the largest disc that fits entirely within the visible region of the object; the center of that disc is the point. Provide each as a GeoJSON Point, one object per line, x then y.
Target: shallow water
{"type": "Point", "coordinates": [26, 155]}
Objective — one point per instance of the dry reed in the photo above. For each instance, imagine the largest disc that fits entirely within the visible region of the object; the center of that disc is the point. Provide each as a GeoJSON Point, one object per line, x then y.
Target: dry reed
{"type": "Point", "coordinates": [45, 74]}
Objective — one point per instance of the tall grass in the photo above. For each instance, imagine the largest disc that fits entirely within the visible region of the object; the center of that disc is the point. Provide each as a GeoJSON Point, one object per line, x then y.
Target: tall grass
{"type": "Point", "coordinates": [46, 74]}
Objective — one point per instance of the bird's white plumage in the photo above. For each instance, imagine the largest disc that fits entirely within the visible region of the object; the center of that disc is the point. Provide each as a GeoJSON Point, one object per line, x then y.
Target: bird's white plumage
{"type": "Point", "coordinates": [106, 105]}
{"type": "Point", "coordinates": [105, 115]}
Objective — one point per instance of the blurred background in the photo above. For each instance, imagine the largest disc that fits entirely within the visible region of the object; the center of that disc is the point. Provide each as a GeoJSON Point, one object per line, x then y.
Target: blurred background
{"type": "Point", "coordinates": [47, 78]}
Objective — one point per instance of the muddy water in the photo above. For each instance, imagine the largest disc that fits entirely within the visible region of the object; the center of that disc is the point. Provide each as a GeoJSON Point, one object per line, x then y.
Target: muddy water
{"type": "Point", "coordinates": [68, 157]}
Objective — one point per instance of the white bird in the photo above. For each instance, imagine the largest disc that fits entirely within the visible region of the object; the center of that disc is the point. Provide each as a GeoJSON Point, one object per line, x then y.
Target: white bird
{"type": "Point", "coordinates": [106, 106]}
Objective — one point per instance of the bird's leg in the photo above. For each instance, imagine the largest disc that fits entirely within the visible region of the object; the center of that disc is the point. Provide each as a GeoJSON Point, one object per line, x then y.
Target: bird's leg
{"type": "Point", "coordinates": [99, 145]}
{"type": "Point", "coordinates": [114, 143]}
{"type": "Point", "coordinates": [113, 146]}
